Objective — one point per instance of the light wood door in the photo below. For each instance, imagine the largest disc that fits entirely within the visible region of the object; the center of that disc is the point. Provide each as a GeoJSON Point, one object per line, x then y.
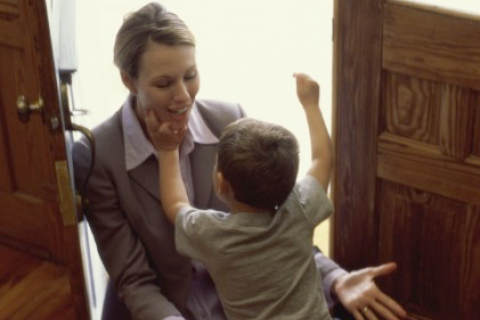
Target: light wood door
{"type": "Point", "coordinates": [37, 215]}
{"type": "Point", "coordinates": [407, 142]}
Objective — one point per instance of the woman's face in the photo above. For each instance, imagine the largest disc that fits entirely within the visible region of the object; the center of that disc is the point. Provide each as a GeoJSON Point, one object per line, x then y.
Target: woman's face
{"type": "Point", "coordinates": [167, 83]}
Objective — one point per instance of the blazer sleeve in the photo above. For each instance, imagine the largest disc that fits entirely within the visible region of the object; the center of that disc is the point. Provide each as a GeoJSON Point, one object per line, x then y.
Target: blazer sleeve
{"type": "Point", "coordinates": [329, 272]}
{"type": "Point", "coordinates": [121, 251]}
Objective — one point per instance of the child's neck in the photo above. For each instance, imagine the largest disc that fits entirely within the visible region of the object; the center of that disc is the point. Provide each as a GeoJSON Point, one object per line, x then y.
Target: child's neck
{"type": "Point", "coordinates": [237, 206]}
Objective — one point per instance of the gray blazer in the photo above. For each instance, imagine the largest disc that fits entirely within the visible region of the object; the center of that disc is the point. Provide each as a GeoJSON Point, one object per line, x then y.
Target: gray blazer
{"type": "Point", "coordinates": [134, 239]}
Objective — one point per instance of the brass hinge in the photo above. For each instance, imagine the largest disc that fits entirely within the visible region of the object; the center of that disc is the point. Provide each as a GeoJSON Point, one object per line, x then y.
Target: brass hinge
{"type": "Point", "coordinates": [65, 194]}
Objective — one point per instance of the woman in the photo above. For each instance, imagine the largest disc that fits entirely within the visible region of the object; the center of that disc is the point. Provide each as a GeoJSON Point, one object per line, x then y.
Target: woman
{"type": "Point", "coordinates": [155, 52]}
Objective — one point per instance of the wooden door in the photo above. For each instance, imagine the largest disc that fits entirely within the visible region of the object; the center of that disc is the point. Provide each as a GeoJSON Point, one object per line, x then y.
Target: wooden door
{"type": "Point", "coordinates": [39, 240]}
{"type": "Point", "coordinates": [407, 142]}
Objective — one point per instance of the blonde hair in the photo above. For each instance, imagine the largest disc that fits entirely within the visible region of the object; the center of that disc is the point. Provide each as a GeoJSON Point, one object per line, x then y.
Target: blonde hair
{"type": "Point", "coordinates": [152, 22]}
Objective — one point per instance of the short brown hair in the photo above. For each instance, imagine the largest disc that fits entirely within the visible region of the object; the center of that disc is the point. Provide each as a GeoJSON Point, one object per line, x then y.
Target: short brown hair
{"type": "Point", "coordinates": [152, 22]}
{"type": "Point", "coordinates": [260, 161]}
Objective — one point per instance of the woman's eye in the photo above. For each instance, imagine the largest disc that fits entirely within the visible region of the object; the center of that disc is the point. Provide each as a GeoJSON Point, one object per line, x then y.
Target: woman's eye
{"type": "Point", "coordinates": [162, 84]}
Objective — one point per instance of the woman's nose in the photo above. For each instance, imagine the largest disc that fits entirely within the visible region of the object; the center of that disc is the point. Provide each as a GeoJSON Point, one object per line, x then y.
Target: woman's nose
{"type": "Point", "coordinates": [181, 93]}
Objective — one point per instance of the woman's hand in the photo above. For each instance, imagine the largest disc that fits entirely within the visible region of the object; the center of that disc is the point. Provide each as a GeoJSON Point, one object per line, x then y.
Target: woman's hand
{"type": "Point", "coordinates": [162, 134]}
{"type": "Point", "coordinates": [359, 294]}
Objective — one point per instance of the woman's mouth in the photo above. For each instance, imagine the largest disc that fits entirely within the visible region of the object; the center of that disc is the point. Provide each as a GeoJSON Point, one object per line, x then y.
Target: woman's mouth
{"type": "Point", "coordinates": [178, 114]}
{"type": "Point", "coordinates": [179, 111]}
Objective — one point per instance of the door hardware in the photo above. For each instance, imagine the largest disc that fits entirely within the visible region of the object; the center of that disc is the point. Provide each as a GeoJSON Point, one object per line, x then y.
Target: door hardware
{"type": "Point", "coordinates": [25, 109]}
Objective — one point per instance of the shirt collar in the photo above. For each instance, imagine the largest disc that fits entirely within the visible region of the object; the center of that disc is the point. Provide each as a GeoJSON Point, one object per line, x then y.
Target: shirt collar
{"type": "Point", "coordinates": [138, 148]}
{"type": "Point", "coordinates": [200, 131]}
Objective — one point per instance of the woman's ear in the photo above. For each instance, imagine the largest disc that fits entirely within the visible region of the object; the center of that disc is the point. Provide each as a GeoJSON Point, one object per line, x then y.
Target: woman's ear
{"type": "Point", "coordinates": [129, 82]}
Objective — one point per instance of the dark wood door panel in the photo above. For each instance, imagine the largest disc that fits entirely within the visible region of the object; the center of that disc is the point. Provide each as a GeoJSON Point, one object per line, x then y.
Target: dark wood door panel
{"type": "Point", "coordinates": [37, 215]}
{"type": "Point", "coordinates": [413, 124]}
{"type": "Point", "coordinates": [476, 126]}
{"type": "Point", "coordinates": [431, 45]}
{"type": "Point", "coordinates": [435, 240]}
{"type": "Point", "coordinates": [410, 107]}
{"type": "Point", "coordinates": [427, 235]}
{"type": "Point", "coordinates": [28, 190]}
{"type": "Point", "coordinates": [422, 166]}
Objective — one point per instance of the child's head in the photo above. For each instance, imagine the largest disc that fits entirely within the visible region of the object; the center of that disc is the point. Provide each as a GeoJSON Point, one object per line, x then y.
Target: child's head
{"type": "Point", "coordinates": [259, 160]}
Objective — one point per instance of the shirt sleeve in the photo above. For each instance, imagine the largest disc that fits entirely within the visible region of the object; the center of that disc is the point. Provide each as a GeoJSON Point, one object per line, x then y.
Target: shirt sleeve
{"type": "Point", "coordinates": [193, 230]}
{"type": "Point", "coordinates": [313, 200]}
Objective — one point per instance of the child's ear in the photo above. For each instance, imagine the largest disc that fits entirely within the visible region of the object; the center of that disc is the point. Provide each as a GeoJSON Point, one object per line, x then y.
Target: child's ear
{"type": "Point", "coordinates": [129, 82]}
{"type": "Point", "coordinates": [223, 185]}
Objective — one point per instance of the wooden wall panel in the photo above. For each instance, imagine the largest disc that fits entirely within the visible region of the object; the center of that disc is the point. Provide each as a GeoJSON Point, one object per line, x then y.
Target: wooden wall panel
{"type": "Point", "coordinates": [442, 48]}
{"type": "Point", "coordinates": [425, 233]}
{"type": "Point", "coordinates": [411, 107]}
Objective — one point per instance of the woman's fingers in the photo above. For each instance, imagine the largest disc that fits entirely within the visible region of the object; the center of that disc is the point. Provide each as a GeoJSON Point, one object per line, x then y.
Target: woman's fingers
{"type": "Point", "coordinates": [392, 306]}
{"type": "Point", "coordinates": [357, 315]}
{"type": "Point", "coordinates": [383, 269]}
{"type": "Point", "coordinates": [383, 311]}
{"type": "Point", "coordinates": [369, 314]}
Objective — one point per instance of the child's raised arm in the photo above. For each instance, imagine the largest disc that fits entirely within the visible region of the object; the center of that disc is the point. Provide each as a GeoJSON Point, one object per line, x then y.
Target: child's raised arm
{"type": "Point", "coordinates": [308, 92]}
{"type": "Point", "coordinates": [167, 141]}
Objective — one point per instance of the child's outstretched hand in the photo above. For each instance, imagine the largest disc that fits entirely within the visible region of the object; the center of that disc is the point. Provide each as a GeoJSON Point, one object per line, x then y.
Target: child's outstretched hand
{"type": "Point", "coordinates": [308, 90]}
{"type": "Point", "coordinates": [164, 137]}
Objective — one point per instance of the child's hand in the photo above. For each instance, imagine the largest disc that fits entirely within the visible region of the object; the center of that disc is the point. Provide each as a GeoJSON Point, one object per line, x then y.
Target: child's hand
{"type": "Point", "coordinates": [308, 90]}
{"type": "Point", "coordinates": [163, 136]}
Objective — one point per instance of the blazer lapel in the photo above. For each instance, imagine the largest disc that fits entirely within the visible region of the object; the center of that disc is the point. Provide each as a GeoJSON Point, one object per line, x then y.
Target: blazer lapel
{"type": "Point", "coordinates": [202, 160]}
{"type": "Point", "coordinates": [146, 175]}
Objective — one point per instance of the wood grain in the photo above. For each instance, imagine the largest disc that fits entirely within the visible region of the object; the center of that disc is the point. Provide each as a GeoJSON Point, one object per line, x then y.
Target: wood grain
{"type": "Point", "coordinates": [411, 107]}
{"type": "Point", "coordinates": [431, 45]}
{"type": "Point", "coordinates": [456, 120]}
{"type": "Point", "coordinates": [412, 231]}
{"type": "Point", "coordinates": [12, 36]}
{"type": "Point", "coordinates": [5, 177]}
{"type": "Point", "coordinates": [470, 275]}
{"type": "Point", "coordinates": [33, 289]}
{"type": "Point", "coordinates": [418, 137]}
{"type": "Point", "coordinates": [476, 125]}
{"type": "Point", "coordinates": [30, 216]}
{"type": "Point", "coordinates": [422, 166]}
{"type": "Point", "coordinates": [357, 60]}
